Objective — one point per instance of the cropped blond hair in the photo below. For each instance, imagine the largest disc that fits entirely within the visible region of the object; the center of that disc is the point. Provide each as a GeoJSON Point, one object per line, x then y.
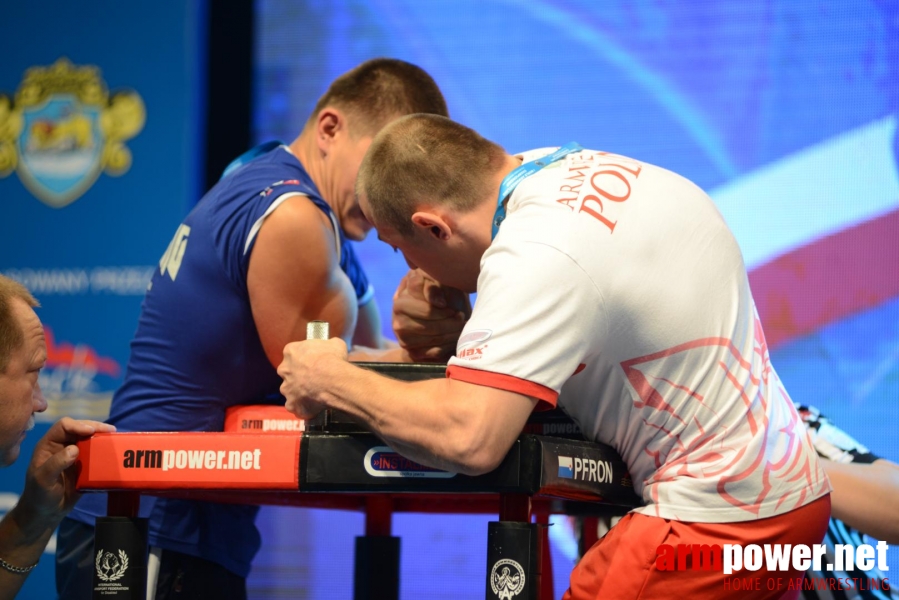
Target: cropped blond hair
{"type": "Point", "coordinates": [425, 159]}
{"type": "Point", "coordinates": [11, 334]}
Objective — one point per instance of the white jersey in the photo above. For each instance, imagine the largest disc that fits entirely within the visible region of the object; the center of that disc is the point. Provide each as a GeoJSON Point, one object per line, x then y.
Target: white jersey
{"type": "Point", "coordinates": [616, 289]}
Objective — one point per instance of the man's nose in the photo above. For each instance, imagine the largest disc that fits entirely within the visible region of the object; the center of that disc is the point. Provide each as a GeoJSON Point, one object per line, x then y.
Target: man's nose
{"type": "Point", "coordinates": [38, 400]}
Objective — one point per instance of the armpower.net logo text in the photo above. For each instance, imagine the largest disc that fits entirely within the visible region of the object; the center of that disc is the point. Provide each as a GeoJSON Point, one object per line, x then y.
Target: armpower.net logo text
{"type": "Point", "coordinates": [220, 460]}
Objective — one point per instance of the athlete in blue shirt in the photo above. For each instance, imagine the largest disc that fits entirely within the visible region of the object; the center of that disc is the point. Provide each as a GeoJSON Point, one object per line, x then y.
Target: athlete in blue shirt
{"type": "Point", "coordinates": [263, 253]}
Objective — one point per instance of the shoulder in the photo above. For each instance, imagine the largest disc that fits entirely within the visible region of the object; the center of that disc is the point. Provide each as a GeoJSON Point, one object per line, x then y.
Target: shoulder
{"type": "Point", "coordinates": [296, 240]}
{"type": "Point", "coordinates": [297, 224]}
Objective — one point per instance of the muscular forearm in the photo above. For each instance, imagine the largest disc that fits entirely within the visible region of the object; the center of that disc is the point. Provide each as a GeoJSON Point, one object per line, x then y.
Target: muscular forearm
{"type": "Point", "coordinates": [866, 497]}
{"type": "Point", "coordinates": [425, 420]}
{"type": "Point", "coordinates": [22, 541]}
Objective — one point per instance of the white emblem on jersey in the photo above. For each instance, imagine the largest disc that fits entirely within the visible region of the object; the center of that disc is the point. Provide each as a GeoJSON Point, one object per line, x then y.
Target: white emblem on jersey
{"type": "Point", "coordinates": [171, 260]}
{"type": "Point", "coordinates": [478, 336]}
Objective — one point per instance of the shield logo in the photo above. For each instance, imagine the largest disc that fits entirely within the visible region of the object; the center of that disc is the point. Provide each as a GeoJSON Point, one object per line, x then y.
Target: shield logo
{"type": "Point", "coordinates": [59, 148]}
{"type": "Point", "coordinates": [64, 129]}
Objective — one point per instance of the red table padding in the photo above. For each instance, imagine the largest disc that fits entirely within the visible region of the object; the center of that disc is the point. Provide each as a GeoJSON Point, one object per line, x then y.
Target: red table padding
{"type": "Point", "coordinates": [171, 461]}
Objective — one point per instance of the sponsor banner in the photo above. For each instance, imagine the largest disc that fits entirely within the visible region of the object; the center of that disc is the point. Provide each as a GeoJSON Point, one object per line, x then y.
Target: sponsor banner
{"type": "Point", "coordinates": [76, 380]}
{"type": "Point", "coordinates": [93, 186]}
{"type": "Point", "coordinates": [126, 280]}
{"type": "Point", "coordinates": [262, 418]}
{"type": "Point", "coordinates": [100, 152]}
{"type": "Point", "coordinates": [155, 461]}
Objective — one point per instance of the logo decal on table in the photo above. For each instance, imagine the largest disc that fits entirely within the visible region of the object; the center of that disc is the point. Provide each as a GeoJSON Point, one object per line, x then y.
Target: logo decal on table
{"type": "Point", "coordinates": [585, 469]}
{"type": "Point", "coordinates": [565, 467]}
{"type": "Point", "coordinates": [383, 461]}
{"type": "Point", "coordinates": [504, 582]}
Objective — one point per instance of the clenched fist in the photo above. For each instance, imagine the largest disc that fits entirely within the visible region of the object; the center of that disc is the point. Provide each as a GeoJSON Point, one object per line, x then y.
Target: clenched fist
{"type": "Point", "coordinates": [428, 318]}
{"type": "Point", "coordinates": [305, 374]}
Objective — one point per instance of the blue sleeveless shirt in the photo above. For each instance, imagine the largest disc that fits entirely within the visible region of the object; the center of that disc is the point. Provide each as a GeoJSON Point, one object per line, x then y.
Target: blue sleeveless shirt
{"type": "Point", "coordinates": [197, 352]}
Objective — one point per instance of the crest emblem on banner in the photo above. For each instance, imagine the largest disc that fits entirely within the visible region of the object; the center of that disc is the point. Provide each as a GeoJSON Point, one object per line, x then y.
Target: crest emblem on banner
{"type": "Point", "coordinates": [63, 129]}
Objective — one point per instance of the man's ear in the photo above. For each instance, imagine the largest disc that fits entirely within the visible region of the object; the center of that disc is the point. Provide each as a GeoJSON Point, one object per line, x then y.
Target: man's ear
{"type": "Point", "coordinates": [432, 225]}
{"type": "Point", "coordinates": [330, 122]}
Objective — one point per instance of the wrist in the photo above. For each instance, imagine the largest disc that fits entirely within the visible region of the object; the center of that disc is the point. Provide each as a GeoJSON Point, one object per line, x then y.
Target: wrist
{"type": "Point", "coordinates": [22, 540]}
{"type": "Point", "coordinates": [329, 370]}
{"type": "Point", "coordinates": [15, 569]}
{"type": "Point", "coordinates": [31, 524]}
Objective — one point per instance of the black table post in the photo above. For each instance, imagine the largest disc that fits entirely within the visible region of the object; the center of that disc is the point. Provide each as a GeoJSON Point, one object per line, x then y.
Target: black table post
{"type": "Point", "coordinates": [514, 552]}
{"type": "Point", "coordinates": [377, 568]}
{"type": "Point", "coordinates": [120, 550]}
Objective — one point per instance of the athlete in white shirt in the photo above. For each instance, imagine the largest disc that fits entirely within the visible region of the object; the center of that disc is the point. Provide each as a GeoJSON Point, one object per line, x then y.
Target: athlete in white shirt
{"type": "Point", "coordinates": [614, 289]}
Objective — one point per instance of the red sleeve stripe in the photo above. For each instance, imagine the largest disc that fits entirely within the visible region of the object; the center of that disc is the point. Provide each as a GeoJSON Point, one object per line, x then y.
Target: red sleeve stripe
{"type": "Point", "coordinates": [547, 397]}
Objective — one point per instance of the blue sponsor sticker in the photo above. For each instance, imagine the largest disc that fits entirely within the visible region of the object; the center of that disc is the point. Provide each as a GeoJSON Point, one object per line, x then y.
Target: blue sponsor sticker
{"type": "Point", "coordinates": [383, 461]}
{"type": "Point", "coordinates": [565, 467]}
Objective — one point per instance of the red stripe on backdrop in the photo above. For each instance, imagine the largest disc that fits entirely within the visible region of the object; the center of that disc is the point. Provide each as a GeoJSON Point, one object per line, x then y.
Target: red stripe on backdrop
{"type": "Point", "coordinates": [831, 278]}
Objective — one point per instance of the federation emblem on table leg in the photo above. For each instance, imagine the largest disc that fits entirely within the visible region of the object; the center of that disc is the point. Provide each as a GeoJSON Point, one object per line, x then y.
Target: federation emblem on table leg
{"type": "Point", "coordinates": [111, 567]}
{"type": "Point", "coordinates": [63, 129]}
{"type": "Point", "coordinates": [507, 579]}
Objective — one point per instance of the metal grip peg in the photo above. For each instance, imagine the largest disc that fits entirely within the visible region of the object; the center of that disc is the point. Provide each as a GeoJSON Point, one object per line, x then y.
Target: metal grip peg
{"type": "Point", "coordinates": [317, 330]}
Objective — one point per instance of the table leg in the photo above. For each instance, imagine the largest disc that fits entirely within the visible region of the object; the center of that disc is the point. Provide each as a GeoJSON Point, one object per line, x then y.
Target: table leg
{"type": "Point", "coordinates": [120, 550]}
{"type": "Point", "coordinates": [546, 565]}
{"type": "Point", "coordinates": [589, 534]}
{"type": "Point", "coordinates": [122, 504]}
{"type": "Point", "coordinates": [377, 568]}
{"type": "Point", "coordinates": [513, 551]}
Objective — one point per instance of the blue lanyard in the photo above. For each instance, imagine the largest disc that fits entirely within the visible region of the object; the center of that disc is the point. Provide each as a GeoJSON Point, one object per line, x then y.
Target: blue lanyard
{"type": "Point", "coordinates": [512, 180]}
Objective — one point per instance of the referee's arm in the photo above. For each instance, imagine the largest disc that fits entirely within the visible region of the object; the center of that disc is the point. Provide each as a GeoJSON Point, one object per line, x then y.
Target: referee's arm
{"type": "Point", "coordinates": [866, 496]}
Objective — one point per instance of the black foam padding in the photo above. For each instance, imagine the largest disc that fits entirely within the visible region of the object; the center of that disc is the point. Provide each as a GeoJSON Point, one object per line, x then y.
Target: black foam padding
{"type": "Point", "coordinates": [406, 371]}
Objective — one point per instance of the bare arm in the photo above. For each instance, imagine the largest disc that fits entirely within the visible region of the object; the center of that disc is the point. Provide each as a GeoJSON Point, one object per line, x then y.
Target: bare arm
{"type": "Point", "coordinates": [368, 343]}
{"type": "Point", "coordinates": [368, 327]}
{"type": "Point", "coordinates": [48, 496]}
{"type": "Point", "coordinates": [442, 423]}
{"type": "Point", "coordinates": [427, 320]}
{"type": "Point", "coordinates": [294, 277]}
{"type": "Point", "coordinates": [866, 497]}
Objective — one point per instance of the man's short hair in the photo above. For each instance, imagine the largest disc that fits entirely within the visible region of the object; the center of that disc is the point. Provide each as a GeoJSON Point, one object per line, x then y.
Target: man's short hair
{"type": "Point", "coordinates": [425, 159]}
{"type": "Point", "coordinates": [378, 91]}
{"type": "Point", "coordinates": [11, 334]}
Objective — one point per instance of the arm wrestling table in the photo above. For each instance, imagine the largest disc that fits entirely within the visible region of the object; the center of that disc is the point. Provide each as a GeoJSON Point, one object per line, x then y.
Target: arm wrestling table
{"type": "Point", "coordinates": [267, 456]}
